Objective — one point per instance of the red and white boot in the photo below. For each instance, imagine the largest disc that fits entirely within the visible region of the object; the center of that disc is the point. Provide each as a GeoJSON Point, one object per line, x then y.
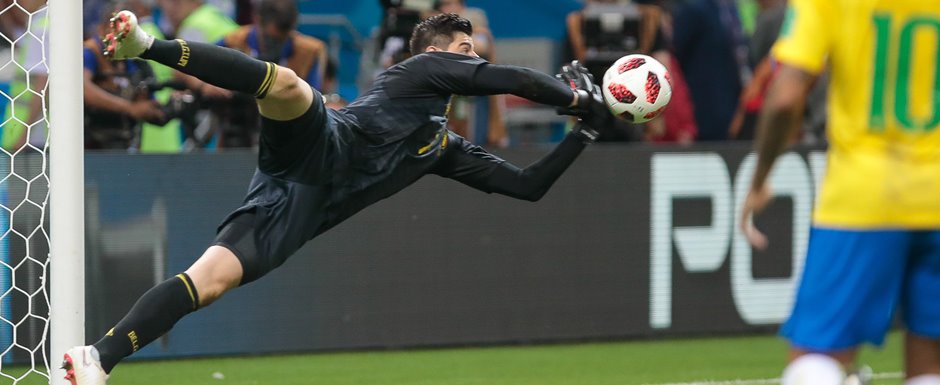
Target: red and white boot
{"type": "Point", "coordinates": [125, 39]}
{"type": "Point", "coordinates": [83, 366]}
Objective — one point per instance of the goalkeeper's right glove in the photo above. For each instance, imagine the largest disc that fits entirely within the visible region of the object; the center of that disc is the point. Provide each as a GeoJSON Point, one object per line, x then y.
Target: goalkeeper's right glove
{"type": "Point", "coordinates": [589, 106]}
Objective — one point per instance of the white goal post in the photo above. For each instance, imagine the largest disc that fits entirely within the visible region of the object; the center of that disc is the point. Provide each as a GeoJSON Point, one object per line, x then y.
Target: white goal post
{"type": "Point", "coordinates": [66, 184]}
{"type": "Point", "coordinates": [42, 267]}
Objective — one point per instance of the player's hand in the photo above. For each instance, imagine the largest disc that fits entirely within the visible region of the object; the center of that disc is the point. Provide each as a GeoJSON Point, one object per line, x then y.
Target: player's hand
{"type": "Point", "coordinates": [577, 76]}
{"type": "Point", "coordinates": [574, 80]}
{"type": "Point", "coordinates": [580, 80]}
{"type": "Point", "coordinates": [756, 201]}
{"type": "Point", "coordinates": [590, 108]}
{"type": "Point", "coordinates": [146, 110]}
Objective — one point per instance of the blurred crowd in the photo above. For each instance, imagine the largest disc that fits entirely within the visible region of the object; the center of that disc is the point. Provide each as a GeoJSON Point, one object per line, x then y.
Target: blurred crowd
{"type": "Point", "coordinates": [717, 53]}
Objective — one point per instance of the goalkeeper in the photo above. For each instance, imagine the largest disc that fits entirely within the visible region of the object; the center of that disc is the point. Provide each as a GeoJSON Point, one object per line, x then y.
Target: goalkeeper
{"type": "Point", "coordinates": [317, 167]}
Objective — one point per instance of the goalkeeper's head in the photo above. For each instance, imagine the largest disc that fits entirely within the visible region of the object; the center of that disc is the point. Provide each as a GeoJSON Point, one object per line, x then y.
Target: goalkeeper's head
{"type": "Point", "coordinates": [445, 32]}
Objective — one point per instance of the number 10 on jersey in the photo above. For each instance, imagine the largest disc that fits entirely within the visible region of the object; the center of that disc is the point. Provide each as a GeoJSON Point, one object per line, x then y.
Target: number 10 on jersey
{"type": "Point", "coordinates": [903, 43]}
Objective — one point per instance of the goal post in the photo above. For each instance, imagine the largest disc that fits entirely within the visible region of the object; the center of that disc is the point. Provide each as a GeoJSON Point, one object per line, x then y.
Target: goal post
{"type": "Point", "coordinates": [66, 182]}
{"type": "Point", "coordinates": [41, 188]}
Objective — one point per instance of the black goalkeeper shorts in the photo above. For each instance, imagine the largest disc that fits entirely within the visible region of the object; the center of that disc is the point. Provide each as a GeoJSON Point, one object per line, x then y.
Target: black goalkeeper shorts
{"type": "Point", "coordinates": [281, 213]}
{"type": "Point", "coordinates": [238, 235]}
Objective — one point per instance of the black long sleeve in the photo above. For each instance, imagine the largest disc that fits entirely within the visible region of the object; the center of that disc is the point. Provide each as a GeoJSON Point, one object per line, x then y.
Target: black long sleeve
{"type": "Point", "coordinates": [449, 73]}
{"type": "Point", "coordinates": [494, 79]}
{"type": "Point", "coordinates": [473, 166]}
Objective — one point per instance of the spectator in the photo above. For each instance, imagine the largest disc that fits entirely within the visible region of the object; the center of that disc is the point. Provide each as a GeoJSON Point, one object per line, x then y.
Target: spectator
{"type": "Point", "coordinates": [709, 45]}
{"type": "Point", "coordinates": [229, 8]}
{"type": "Point", "coordinates": [748, 11]}
{"type": "Point", "coordinates": [91, 13]}
{"type": "Point", "coordinates": [273, 37]}
{"type": "Point", "coordinates": [194, 20]}
{"type": "Point", "coordinates": [482, 36]}
{"type": "Point", "coordinates": [769, 20]}
{"type": "Point", "coordinates": [114, 104]}
{"type": "Point", "coordinates": [597, 44]}
{"type": "Point", "coordinates": [244, 12]}
{"type": "Point", "coordinates": [330, 86]}
{"type": "Point", "coordinates": [156, 138]}
{"type": "Point", "coordinates": [23, 116]}
{"type": "Point", "coordinates": [768, 25]}
{"type": "Point", "coordinates": [678, 120]}
{"type": "Point", "coordinates": [477, 118]}
{"type": "Point", "coordinates": [744, 123]}
{"type": "Point", "coordinates": [399, 17]}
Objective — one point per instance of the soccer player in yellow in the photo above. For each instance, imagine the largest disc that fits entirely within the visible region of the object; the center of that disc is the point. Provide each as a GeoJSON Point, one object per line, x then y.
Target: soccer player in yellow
{"type": "Point", "coordinates": [875, 241]}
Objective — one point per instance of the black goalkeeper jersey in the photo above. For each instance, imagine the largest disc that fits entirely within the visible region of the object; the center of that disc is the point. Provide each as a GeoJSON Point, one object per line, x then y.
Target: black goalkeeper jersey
{"type": "Point", "coordinates": [321, 168]}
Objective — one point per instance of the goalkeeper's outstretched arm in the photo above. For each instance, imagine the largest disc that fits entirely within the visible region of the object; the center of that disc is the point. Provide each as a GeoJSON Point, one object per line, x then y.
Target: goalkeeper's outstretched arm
{"type": "Point", "coordinates": [475, 167]}
{"type": "Point", "coordinates": [495, 79]}
{"type": "Point", "coordinates": [451, 73]}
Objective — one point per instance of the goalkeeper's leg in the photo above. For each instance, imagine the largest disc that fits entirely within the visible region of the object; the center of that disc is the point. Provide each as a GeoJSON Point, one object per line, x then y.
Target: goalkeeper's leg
{"type": "Point", "coordinates": [281, 94]}
{"type": "Point", "coordinates": [155, 313]}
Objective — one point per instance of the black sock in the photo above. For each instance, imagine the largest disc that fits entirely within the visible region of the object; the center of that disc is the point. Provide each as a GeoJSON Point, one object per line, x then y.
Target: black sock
{"type": "Point", "coordinates": [154, 314]}
{"type": "Point", "coordinates": [219, 66]}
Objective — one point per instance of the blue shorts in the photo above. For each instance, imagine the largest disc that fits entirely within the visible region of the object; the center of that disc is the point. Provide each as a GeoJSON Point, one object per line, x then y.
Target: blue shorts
{"type": "Point", "coordinates": [853, 280]}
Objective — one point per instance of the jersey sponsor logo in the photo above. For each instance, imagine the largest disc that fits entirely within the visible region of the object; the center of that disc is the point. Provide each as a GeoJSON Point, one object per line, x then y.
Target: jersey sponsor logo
{"type": "Point", "coordinates": [706, 249]}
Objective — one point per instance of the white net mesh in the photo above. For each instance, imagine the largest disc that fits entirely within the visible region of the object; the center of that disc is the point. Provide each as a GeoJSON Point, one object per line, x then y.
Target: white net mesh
{"type": "Point", "coordinates": [24, 193]}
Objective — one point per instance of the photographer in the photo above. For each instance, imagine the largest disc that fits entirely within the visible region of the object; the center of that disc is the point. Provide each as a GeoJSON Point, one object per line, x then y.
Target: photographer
{"type": "Point", "coordinates": [272, 37]}
{"type": "Point", "coordinates": [115, 104]}
{"type": "Point", "coordinates": [399, 17]}
{"type": "Point", "coordinates": [606, 30]}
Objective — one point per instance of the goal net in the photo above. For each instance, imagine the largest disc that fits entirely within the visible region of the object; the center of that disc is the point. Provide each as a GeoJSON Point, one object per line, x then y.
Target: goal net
{"type": "Point", "coordinates": [27, 248]}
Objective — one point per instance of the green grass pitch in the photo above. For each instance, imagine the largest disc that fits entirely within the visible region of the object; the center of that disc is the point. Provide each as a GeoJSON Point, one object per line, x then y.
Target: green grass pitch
{"type": "Point", "coordinates": [723, 361]}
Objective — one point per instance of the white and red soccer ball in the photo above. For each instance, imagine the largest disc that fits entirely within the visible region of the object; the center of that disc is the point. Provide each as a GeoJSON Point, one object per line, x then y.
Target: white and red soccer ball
{"type": "Point", "coordinates": [637, 88]}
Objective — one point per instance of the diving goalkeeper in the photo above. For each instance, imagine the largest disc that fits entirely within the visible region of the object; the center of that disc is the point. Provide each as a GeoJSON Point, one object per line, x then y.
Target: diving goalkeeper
{"type": "Point", "coordinates": [317, 166]}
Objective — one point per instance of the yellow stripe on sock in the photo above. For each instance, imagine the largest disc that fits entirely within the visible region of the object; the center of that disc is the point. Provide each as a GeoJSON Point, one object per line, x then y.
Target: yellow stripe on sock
{"type": "Point", "coordinates": [192, 296]}
{"type": "Point", "coordinates": [273, 79]}
{"type": "Point", "coordinates": [261, 89]}
{"type": "Point", "coordinates": [269, 78]}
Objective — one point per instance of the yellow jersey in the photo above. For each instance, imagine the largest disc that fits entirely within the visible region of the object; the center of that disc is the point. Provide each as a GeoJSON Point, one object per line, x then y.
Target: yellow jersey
{"type": "Point", "coordinates": [883, 167]}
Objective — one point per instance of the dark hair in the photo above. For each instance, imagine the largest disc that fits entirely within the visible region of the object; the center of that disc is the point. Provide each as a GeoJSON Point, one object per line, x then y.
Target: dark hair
{"type": "Point", "coordinates": [281, 13]}
{"type": "Point", "coordinates": [438, 30]}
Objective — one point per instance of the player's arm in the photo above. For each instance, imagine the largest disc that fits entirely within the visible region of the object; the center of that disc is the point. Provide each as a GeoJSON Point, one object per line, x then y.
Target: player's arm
{"type": "Point", "coordinates": [96, 97]}
{"type": "Point", "coordinates": [475, 167]}
{"type": "Point", "coordinates": [449, 73]}
{"type": "Point", "coordinates": [780, 118]}
{"type": "Point", "coordinates": [802, 48]}
{"type": "Point", "coordinates": [497, 79]}
{"type": "Point", "coordinates": [572, 91]}
{"type": "Point", "coordinates": [778, 122]}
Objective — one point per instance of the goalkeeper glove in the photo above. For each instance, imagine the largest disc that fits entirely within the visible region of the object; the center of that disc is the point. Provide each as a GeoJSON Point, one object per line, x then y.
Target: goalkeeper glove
{"type": "Point", "coordinates": [589, 106]}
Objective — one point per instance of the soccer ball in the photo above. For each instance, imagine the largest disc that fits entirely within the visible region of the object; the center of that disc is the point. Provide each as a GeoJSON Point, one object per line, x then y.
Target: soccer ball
{"type": "Point", "coordinates": [637, 88]}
